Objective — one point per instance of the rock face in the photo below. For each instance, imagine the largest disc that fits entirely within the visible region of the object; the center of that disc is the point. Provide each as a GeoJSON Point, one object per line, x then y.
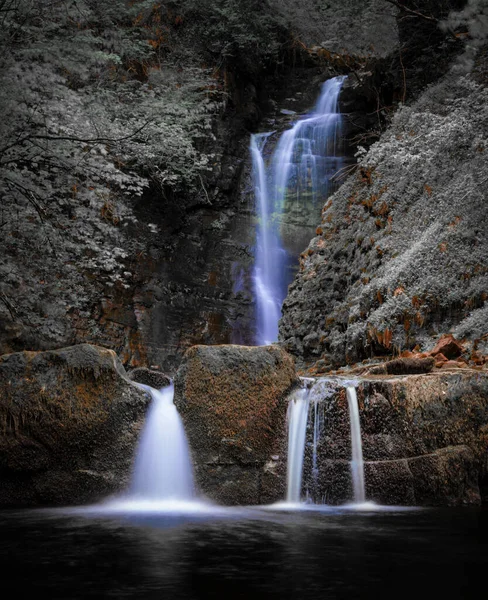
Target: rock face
{"type": "Point", "coordinates": [233, 403]}
{"type": "Point", "coordinates": [70, 421]}
{"type": "Point", "coordinates": [370, 281]}
{"type": "Point", "coordinates": [425, 440]}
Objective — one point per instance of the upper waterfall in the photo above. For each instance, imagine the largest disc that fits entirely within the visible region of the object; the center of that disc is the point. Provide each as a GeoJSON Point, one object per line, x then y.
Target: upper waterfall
{"type": "Point", "coordinates": [298, 172]}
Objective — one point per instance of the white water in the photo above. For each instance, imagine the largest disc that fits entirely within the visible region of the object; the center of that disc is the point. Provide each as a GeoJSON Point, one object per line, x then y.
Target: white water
{"type": "Point", "coordinates": [162, 470]}
{"type": "Point", "coordinates": [357, 464]}
{"type": "Point", "coordinates": [269, 265]}
{"type": "Point", "coordinates": [297, 429]}
{"type": "Point", "coordinates": [303, 162]}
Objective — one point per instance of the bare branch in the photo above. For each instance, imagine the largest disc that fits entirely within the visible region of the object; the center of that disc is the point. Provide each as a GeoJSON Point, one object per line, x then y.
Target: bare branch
{"type": "Point", "coordinates": [56, 138]}
{"type": "Point", "coordinates": [412, 12]}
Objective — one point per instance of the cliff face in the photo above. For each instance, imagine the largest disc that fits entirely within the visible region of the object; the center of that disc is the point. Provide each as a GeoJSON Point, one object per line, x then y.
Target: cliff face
{"type": "Point", "coordinates": [400, 254]}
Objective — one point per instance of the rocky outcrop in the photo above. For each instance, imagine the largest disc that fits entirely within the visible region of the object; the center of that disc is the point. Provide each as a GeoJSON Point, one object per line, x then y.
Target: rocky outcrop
{"type": "Point", "coordinates": [69, 422]}
{"type": "Point", "coordinates": [425, 439]}
{"type": "Point", "coordinates": [370, 282]}
{"type": "Point", "coordinates": [232, 400]}
{"type": "Point", "coordinates": [154, 379]}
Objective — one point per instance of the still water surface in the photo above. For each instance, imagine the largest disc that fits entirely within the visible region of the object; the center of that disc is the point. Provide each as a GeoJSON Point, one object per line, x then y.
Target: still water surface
{"type": "Point", "coordinates": [245, 553]}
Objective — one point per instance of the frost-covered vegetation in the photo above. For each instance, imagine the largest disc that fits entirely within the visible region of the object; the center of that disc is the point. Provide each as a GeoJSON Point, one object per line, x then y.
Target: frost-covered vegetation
{"type": "Point", "coordinates": [95, 105]}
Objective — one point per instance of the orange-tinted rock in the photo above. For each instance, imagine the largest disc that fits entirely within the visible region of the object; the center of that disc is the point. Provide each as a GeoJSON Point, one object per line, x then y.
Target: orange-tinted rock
{"type": "Point", "coordinates": [452, 364]}
{"type": "Point", "coordinates": [478, 358]}
{"type": "Point", "coordinates": [448, 346]}
{"type": "Point", "coordinates": [70, 421]}
{"type": "Point", "coordinates": [233, 402]}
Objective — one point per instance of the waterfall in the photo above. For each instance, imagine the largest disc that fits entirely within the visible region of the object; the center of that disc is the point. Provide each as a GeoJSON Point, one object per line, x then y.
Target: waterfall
{"type": "Point", "coordinates": [301, 168]}
{"type": "Point", "coordinates": [357, 465]}
{"type": "Point", "coordinates": [162, 469]}
{"type": "Point", "coordinates": [316, 437]}
{"type": "Point", "coordinates": [269, 264]}
{"type": "Point", "coordinates": [297, 428]}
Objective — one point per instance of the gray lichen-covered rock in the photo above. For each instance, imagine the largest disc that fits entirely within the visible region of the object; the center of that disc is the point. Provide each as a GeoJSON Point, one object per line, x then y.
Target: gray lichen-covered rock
{"type": "Point", "coordinates": [401, 254]}
{"type": "Point", "coordinates": [233, 403]}
{"type": "Point", "coordinates": [69, 422]}
{"type": "Point", "coordinates": [425, 439]}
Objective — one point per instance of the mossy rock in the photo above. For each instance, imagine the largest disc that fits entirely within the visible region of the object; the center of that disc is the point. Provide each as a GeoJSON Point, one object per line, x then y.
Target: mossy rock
{"type": "Point", "coordinates": [69, 416]}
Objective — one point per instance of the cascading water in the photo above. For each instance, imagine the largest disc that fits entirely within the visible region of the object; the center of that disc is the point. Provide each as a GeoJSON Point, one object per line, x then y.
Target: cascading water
{"type": "Point", "coordinates": [301, 166]}
{"type": "Point", "coordinates": [316, 401]}
{"type": "Point", "coordinates": [297, 428]}
{"type": "Point", "coordinates": [269, 264]}
{"type": "Point", "coordinates": [162, 469]}
{"type": "Point", "coordinates": [357, 464]}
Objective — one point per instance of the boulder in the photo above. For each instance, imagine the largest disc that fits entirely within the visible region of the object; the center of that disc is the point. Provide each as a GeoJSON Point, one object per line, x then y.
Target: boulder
{"type": "Point", "coordinates": [448, 346]}
{"type": "Point", "coordinates": [70, 420]}
{"type": "Point", "coordinates": [233, 403]}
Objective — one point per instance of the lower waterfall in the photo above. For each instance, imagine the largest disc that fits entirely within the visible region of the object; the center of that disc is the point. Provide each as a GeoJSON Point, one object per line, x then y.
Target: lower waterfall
{"type": "Point", "coordinates": [357, 464]}
{"type": "Point", "coordinates": [304, 437]}
{"type": "Point", "coordinates": [163, 469]}
{"type": "Point", "coordinates": [297, 428]}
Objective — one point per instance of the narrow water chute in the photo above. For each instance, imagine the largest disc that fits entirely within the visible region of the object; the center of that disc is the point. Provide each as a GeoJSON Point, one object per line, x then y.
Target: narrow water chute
{"type": "Point", "coordinates": [297, 429]}
{"type": "Point", "coordinates": [357, 464]}
{"type": "Point", "coordinates": [162, 469]}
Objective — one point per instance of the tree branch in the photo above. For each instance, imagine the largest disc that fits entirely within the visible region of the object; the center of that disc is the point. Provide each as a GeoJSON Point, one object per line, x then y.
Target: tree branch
{"type": "Point", "coordinates": [412, 12]}
{"type": "Point", "coordinates": [98, 140]}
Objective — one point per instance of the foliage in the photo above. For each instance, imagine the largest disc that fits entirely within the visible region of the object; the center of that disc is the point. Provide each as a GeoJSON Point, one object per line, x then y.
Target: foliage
{"type": "Point", "coordinates": [241, 34]}
{"type": "Point", "coordinates": [94, 103]}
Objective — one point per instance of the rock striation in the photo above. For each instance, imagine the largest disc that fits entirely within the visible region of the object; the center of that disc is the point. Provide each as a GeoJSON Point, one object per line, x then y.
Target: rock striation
{"type": "Point", "coordinates": [69, 422]}
{"type": "Point", "coordinates": [232, 400]}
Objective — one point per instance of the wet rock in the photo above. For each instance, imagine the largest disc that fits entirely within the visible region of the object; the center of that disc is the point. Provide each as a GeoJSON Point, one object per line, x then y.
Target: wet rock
{"type": "Point", "coordinates": [150, 377]}
{"type": "Point", "coordinates": [424, 439]}
{"type": "Point", "coordinates": [233, 403]}
{"type": "Point", "coordinates": [70, 421]}
{"type": "Point", "coordinates": [447, 477]}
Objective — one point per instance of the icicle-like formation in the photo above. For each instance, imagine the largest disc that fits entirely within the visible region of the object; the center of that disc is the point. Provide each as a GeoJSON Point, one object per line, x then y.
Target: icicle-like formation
{"type": "Point", "coordinates": [357, 465]}
{"type": "Point", "coordinates": [163, 469]}
{"type": "Point", "coordinates": [297, 428]}
{"type": "Point", "coordinates": [302, 164]}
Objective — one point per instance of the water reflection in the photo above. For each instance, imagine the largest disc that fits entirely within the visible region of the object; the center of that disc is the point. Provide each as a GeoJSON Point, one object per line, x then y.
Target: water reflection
{"type": "Point", "coordinates": [273, 553]}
